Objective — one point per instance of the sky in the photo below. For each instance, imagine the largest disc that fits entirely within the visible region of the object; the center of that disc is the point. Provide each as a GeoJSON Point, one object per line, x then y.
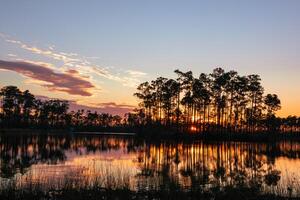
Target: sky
{"type": "Point", "coordinates": [95, 53]}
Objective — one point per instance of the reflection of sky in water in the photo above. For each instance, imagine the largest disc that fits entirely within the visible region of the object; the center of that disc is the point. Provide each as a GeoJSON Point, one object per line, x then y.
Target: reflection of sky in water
{"type": "Point", "coordinates": [83, 168]}
{"type": "Point", "coordinates": [118, 162]}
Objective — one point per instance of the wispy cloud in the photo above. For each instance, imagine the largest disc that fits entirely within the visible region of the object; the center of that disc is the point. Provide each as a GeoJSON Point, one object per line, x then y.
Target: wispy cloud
{"type": "Point", "coordinates": [136, 73]}
{"type": "Point", "coordinates": [66, 58]}
{"type": "Point", "coordinates": [82, 64]}
{"type": "Point", "coordinates": [12, 55]}
{"type": "Point", "coordinates": [68, 81]}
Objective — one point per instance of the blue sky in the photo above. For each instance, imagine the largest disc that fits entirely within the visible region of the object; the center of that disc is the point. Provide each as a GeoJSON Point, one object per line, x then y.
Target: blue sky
{"type": "Point", "coordinates": [141, 40]}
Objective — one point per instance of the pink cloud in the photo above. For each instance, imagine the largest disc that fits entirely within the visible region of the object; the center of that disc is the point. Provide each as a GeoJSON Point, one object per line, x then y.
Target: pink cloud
{"type": "Point", "coordinates": [114, 110]}
{"type": "Point", "coordinates": [69, 82]}
{"type": "Point", "coordinates": [113, 104]}
{"type": "Point", "coordinates": [109, 107]}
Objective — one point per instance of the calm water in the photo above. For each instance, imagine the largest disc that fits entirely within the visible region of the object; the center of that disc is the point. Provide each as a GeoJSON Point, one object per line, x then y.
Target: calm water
{"type": "Point", "coordinates": [117, 162]}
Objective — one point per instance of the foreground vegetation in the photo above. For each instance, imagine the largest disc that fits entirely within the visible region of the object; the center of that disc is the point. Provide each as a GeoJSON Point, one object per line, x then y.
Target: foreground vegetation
{"type": "Point", "coordinates": [72, 190]}
{"type": "Point", "coordinates": [169, 189]}
{"type": "Point", "coordinates": [102, 193]}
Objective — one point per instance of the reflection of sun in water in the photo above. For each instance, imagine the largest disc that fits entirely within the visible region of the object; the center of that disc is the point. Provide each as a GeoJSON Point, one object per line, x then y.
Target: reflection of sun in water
{"type": "Point", "coordinates": [193, 128]}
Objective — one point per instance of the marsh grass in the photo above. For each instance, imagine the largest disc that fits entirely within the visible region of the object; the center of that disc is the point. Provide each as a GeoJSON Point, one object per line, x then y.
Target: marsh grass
{"type": "Point", "coordinates": [118, 186]}
{"type": "Point", "coordinates": [96, 192]}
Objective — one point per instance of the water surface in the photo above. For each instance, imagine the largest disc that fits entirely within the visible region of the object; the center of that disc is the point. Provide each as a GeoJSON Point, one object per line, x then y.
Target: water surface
{"type": "Point", "coordinates": [58, 161]}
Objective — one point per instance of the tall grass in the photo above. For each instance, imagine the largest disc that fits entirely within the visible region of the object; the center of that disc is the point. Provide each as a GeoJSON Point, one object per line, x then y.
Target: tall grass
{"type": "Point", "coordinates": [120, 184]}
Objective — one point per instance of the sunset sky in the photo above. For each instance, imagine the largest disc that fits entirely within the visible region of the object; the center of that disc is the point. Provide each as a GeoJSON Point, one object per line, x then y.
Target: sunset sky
{"type": "Point", "coordinates": [95, 53]}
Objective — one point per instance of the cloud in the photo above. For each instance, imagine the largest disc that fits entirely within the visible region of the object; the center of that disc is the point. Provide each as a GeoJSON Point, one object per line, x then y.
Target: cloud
{"type": "Point", "coordinates": [12, 55]}
{"type": "Point", "coordinates": [136, 73]}
{"type": "Point", "coordinates": [113, 105]}
{"type": "Point", "coordinates": [69, 81]}
{"type": "Point", "coordinates": [109, 107]}
{"type": "Point", "coordinates": [65, 57]}
{"type": "Point", "coordinates": [72, 71]}
{"type": "Point", "coordinates": [128, 78]}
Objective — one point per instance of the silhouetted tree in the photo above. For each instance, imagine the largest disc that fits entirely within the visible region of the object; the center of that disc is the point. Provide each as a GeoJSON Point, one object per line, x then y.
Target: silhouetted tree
{"type": "Point", "coordinates": [272, 104]}
{"type": "Point", "coordinates": [11, 104]}
{"type": "Point", "coordinates": [22, 109]}
{"type": "Point", "coordinates": [211, 103]}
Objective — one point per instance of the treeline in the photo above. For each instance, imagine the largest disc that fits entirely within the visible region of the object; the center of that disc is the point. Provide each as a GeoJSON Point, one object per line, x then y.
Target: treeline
{"type": "Point", "coordinates": [22, 109]}
{"type": "Point", "coordinates": [217, 102]}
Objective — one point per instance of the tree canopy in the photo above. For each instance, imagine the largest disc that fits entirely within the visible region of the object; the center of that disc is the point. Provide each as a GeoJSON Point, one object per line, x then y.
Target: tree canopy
{"type": "Point", "coordinates": [219, 101]}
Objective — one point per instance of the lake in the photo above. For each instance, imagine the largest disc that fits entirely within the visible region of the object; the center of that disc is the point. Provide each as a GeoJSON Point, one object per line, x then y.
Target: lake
{"type": "Point", "coordinates": [115, 161]}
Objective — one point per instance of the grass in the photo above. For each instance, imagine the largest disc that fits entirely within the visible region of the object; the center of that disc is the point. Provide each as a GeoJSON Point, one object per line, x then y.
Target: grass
{"type": "Point", "coordinates": [95, 192]}
{"type": "Point", "coordinates": [118, 187]}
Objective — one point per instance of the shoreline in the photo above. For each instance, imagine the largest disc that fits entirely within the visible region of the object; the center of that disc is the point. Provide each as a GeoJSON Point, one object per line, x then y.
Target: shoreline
{"type": "Point", "coordinates": [161, 135]}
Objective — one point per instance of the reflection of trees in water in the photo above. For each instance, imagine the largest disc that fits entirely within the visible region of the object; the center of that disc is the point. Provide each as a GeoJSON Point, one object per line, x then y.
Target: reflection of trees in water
{"type": "Point", "coordinates": [162, 165]}
{"type": "Point", "coordinates": [201, 165]}
{"type": "Point", "coordinates": [18, 153]}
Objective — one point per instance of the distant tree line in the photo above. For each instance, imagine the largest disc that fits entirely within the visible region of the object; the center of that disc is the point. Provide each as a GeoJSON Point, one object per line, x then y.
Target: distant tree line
{"type": "Point", "coordinates": [22, 109]}
{"type": "Point", "coordinates": [215, 102]}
